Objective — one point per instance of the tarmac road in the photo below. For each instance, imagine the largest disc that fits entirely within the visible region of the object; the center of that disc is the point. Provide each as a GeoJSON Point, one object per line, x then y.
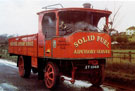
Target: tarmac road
{"type": "Point", "coordinates": [11, 81]}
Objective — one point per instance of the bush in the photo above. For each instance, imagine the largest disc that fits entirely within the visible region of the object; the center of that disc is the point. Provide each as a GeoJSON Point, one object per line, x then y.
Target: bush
{"type": "Point", "coordinates": [122, 39]}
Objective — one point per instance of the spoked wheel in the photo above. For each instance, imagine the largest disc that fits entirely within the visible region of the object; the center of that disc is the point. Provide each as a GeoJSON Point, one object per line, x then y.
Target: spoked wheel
{"type": "Point", "coordinates": [21, 66]}
{"type": "Point", "coordinates": [23, 71]}
{"type": "Point", "coordinates": [97, 76]}
{"type": "Point", "coordinates": [51, 75]}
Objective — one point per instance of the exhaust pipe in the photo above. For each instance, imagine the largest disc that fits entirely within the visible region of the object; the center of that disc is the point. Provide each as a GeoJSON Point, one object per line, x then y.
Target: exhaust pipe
{"type": "Point", "coordinates": [87, 5]}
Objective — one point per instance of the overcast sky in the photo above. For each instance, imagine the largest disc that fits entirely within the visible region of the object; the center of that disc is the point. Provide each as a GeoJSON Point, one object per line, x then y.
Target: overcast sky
{"type": "Point", "coordinates": [20, 16]}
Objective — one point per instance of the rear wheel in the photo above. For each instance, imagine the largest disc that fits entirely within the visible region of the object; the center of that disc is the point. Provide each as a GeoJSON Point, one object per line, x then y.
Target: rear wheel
{"type": "Point", "coordinates": [24, 69]}
{"type": "Point", "coordinates": [51, 75]}
{"type": "Point", "coordinates": [97, 77]}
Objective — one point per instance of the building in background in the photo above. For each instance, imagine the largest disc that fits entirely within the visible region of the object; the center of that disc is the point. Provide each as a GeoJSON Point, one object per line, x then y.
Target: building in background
{"type": "Point", "coordinates": [130, 30]}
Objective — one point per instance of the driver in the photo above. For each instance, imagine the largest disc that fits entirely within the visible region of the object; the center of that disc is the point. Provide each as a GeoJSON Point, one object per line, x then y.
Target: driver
{"type": "Point", "coordinates": [62, 26]}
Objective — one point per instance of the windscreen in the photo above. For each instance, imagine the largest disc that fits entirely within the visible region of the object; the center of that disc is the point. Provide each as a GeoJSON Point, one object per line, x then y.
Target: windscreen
{"type": "Point", "coordinates": [71, 21]}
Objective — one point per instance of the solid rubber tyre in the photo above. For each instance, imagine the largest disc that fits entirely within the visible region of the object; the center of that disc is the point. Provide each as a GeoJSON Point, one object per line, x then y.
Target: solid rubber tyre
{"type": "Point", "coordinates": [98, 76]}
{"type": "Point", "coordinates": [24, 69]}
{"type": "Point", "coordinates": [51, 75]}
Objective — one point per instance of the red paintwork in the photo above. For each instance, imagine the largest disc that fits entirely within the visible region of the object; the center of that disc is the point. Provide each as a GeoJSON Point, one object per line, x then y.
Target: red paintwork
{"type": "Point", "coordinates": [105, 12]}
{"type": "Point", "coordinates": [65, 46]}
{"type": "Point", "coordinates": [49, 76]}
{"type": "Point", "coordinates": [39, 47]}
{"type": "Point", "coordinates": [24, 45]}
{"type": "Point", "coordinates": [43, 50]}
{"type": "Point", "coordinates": [21, 67]}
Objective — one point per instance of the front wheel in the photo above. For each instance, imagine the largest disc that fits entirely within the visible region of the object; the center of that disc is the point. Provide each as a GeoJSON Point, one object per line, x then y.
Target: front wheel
{"type": "Point", "coordinates": [51, 75]}
{"type": "Point", "coordinates": [97, 76]}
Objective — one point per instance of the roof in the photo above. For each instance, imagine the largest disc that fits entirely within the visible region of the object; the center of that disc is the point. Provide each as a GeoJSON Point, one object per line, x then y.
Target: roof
{"type": "Point", "coordinates": [104, 12]}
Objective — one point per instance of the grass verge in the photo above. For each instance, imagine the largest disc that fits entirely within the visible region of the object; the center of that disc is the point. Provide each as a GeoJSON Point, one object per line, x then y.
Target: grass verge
{"type": "Point", "coordinates": [122, 74]}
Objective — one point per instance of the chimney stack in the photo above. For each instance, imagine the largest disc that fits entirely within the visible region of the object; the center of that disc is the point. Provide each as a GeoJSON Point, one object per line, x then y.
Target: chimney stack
{"type": "Point", "coordinates": [87, 5]}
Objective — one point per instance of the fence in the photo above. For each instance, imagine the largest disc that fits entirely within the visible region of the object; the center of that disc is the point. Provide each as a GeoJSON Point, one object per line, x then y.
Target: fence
{"type": "Point", "coordinates": [122, 57]}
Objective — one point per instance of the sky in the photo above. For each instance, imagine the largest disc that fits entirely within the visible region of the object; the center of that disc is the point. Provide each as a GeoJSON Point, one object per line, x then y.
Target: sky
{"type": "Point", "coordinates": [20, 16]}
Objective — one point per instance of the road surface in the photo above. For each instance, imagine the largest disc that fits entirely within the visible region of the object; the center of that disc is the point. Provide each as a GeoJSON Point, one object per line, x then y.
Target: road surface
{"type": "Point", "coordinates": [11, 81]}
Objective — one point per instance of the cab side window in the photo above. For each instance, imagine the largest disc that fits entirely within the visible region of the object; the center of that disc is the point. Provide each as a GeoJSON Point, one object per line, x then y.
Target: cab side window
{"type": "Point", "coordinates": [49, 25]}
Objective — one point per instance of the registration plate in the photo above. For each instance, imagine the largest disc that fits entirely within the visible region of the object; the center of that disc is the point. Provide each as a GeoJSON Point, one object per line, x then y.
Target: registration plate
{"type": "Point", "coordinates": [92, 67]}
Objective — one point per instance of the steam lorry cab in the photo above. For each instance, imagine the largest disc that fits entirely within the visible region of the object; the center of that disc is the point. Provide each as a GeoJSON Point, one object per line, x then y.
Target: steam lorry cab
{"type": "Point", "coordinates": [68, 43]}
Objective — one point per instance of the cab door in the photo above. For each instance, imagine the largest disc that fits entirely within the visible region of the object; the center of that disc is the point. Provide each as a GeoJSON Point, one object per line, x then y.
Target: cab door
{"type": "Point", "coordinates": [49, 31]}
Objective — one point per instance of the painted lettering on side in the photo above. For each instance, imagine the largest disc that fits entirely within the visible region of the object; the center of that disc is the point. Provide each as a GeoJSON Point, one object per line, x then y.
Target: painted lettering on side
{"type": "Point", "coordinates": [22, 43]}
{"type": "Point", "coordinates": [91, 38]}
{"type": "Point", "coordinates": [84, 40]}
{"type": "Point", "coordinates": [103, 41]}
{"type": "Point", "coordinates": [92, 51]}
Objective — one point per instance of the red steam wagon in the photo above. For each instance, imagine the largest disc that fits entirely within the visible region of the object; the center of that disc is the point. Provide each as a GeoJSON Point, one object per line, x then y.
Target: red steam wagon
{"type": "Point", "coordinates": [68, 43]}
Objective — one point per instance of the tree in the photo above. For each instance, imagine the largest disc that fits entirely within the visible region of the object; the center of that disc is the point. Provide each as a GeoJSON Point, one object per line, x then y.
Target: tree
{"type": "Point", "coordinates": [125, 39]}
{"type": "Point", "coordinates": [119, 39]}
{"type": "Point", "coordinates": [113, 24]}
{"type": "Point", "coordinates": [122, 39]}
{"type": "Point", "coordinates": [113, 38]}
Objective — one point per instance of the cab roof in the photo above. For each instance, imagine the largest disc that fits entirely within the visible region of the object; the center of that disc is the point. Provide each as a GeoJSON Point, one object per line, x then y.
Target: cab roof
{"type": "Point", "coordinates": [102, 12]}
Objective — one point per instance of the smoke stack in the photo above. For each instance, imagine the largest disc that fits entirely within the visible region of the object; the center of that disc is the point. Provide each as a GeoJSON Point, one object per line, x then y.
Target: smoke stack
{"type": "Point", "coordinates": [87, 5]}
